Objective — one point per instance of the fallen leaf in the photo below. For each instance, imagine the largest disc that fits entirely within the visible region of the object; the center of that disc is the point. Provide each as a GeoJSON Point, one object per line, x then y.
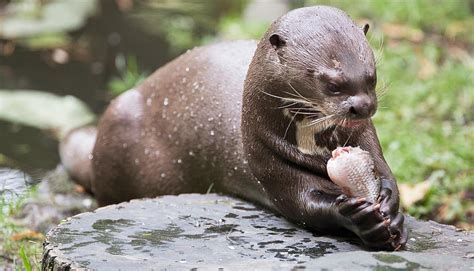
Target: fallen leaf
{"type": "Point", "coordinates": [412, 193]}
{"type": "Point", "coordinates": [27, 234]}
{"type": "Point", "coordinates": [427, 68]}
{"type": "Point", "coordinates": [400, 31]}
{"type": "Point", "coordinates": [457, 28]}
{"type": "Point", "coordinates": [79, 189]}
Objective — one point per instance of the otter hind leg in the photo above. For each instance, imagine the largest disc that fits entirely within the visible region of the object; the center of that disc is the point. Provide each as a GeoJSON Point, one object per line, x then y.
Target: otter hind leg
{"type": "Point", "coordinates": [75, 151]}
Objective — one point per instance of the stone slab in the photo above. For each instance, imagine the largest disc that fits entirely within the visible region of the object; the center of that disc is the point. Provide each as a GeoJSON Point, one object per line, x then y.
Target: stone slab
{"type": "Point", "coordinates": [210, 232]}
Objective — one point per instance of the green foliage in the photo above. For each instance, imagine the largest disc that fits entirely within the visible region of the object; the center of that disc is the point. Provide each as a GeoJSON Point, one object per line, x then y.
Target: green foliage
{"type": "Point", "coordinates": [425, 14]}
{"type": "Point", "coordinates": [130, 75]}
{"type": "Point", "coordinates": [26, 262]}
{"type": "Point", "coordinates": [234, 28]}
{"type": "Point", "coordinates": [28, 251]}
{"type": "Point", "coordinates": [185, 23]}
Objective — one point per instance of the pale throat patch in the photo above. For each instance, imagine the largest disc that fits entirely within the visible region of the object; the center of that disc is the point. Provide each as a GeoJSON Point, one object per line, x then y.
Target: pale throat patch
{"type": "Point", "coordinates": [305, 138]}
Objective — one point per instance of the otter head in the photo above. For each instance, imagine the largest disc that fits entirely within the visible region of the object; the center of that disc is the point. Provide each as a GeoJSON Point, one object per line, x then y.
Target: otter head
{"type": "Point", "coordinates": [326, 63]}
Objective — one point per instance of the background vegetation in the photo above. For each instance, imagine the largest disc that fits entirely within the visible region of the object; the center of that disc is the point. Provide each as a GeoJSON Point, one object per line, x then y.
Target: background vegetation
{"type": "Point", "coordinates": [425, 119]}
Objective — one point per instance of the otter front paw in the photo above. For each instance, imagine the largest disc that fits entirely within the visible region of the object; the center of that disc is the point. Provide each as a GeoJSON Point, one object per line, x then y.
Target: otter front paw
{"type": "Point", "coordinates": [389, 210]}
{"type": "Point", "coordinates": [367, 222]}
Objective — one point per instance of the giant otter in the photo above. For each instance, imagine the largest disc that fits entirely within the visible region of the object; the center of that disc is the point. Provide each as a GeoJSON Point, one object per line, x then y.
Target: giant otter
{"type": "Point", "coordinates": [257, 121]}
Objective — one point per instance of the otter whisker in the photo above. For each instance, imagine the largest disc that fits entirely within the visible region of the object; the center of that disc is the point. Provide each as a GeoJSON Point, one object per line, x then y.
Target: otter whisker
{"type": "Point", "coordinates": [379, 52]}
{"type": "Point", "coordinates": [312, 101]}
{"type": "Point", "coordinates": [288, 105]}
{"type": "Point", "coordinates": [349, 137]}
{"type": "Point", "coordinates": [307, 113]}
{"type": "Point", "coordinates": [286, 99]}
{"type": "Point", "coordinates": [272, 95]}
{"type": "Point", "coordinates": [307, 108]}
{"type": "Point", "coordinates": [304, 112]}
{"type": "Point", "coordinates": [289, 124]}
{"type": "Point", "coordinates": [381, 91]}
{"type": "Point", "coordinates": [320, 120]}
{"type": "Point", "coordinates": [299, 94]}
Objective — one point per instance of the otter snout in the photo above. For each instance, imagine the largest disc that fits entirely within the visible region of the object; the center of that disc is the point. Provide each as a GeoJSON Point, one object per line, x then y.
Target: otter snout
{"type": "Point", "coordinates": [361, 107]}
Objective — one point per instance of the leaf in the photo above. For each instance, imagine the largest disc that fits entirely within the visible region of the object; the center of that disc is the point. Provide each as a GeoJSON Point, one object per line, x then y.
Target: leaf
{"type": "Point", "coordinates": [27, 235]}
{"type": "Point", "coordinates": [400, 31]}
{"type": "Point", "coordinates": [44, 110]}
{"type": "Point", "coordinates": [25, 260]}
{"type": "Point", "coordinates": [50, 17]}
{"type": "Point", "coordinates": [427, 68]}
{"type": "Point", "coordinates": [410, 194]}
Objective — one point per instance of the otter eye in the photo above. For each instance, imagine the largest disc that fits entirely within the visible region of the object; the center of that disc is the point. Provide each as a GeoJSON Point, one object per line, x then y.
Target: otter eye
{"type": "Point", "coordinates": [333, 89]}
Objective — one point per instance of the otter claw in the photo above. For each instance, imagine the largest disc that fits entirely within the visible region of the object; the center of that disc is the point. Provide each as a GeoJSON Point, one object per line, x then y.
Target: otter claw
{"type": "Point", "coordinates": [397, 247]}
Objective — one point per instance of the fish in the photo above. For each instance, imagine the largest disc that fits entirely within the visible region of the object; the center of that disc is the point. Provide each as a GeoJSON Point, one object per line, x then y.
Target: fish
{"type": "Point", "coordinates": [353, 169]}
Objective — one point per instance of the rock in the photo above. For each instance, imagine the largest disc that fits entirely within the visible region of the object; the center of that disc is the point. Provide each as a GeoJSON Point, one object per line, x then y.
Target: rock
{"type": "Point", "coordinates": [13, 184]}
{"type": "Point", "coordinates": [211, 231]}
{"type": "Point", "coordinates": [56, 198]}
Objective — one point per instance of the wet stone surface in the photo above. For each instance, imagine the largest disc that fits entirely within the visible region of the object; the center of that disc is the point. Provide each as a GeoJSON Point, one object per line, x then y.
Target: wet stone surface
{"type": "Point", "coordinates": [212, 231]}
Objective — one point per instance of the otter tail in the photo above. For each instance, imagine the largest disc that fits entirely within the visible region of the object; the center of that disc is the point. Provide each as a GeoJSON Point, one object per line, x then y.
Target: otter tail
{"type": "Point", "coordinates": [75, 151]}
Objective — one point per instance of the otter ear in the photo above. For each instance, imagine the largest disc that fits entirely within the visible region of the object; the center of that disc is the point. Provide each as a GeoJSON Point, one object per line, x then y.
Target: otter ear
{"type": "Point", "coordinates": [276, 41]}
{"type": "Point", "coordinates": [365, 28]}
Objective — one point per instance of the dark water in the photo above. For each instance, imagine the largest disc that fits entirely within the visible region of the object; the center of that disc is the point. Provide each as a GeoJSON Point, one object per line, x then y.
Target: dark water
{"type": "Point", "coordinates": [92, 63]}
{"type": "Point", "coordinates": [27, 148]}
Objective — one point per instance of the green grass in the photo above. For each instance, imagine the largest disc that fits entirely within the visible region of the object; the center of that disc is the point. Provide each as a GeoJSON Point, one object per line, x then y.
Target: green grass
{"type": "Point", "coordinates": [24, 254]}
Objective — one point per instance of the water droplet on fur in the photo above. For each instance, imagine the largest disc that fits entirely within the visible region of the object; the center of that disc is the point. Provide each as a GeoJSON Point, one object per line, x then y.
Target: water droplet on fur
{"type": "Point", "coordinates": [165, 102]}
{"type": "Point", "coordinates": [212, 132]}
{"type": "Point", "coordinates": [163, 175]}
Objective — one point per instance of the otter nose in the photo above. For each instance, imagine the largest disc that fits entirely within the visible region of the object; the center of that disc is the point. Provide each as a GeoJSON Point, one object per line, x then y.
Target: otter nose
{"type": "Point", "coordinates": [362, 107]}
